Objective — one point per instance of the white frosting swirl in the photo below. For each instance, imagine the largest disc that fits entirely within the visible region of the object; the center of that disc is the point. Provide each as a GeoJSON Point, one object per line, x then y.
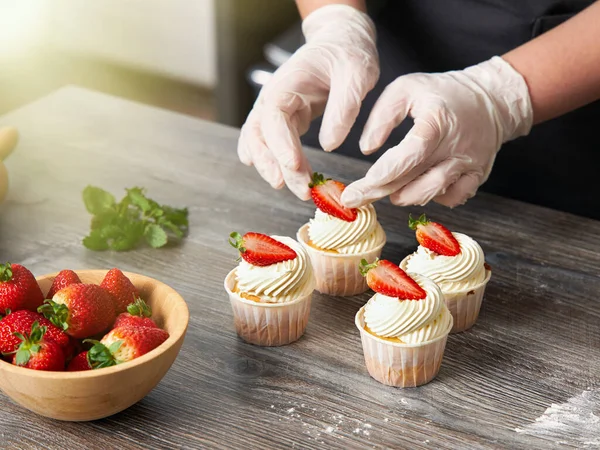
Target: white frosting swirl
{"type": "Point", "coordinates": [452, 273]}
{"type": "Point", "coordinates": [278, 283]}
{"type": "Point", "coordinates": [411, 321]}
{"type": "Point", "coordinates": [330, 233]}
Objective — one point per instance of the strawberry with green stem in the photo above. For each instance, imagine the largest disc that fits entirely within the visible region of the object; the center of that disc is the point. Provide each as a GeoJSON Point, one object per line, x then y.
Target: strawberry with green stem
{"type": "Point", "coordinates": [81, 310]}
{"type": "Point", "coordinates": [37, 353]}
{"type": "Point", "coordinates": [261, 250]}
{"type": "Point", "coordinates": [121, 288]}
{"type": "Point", "coordinates": [434, 236]}
{"type": "Point", "coordinates": [386, 278]}
{"type": "Point", "coordinates": [18, 289]}
{"type": "Point", "coordinates": [138, 315]}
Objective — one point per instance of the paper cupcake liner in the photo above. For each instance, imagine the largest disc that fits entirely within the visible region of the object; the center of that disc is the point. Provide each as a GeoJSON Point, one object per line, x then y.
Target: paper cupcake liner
{"type": "Point", "coordinates": [335, 273]}
{"type": "Point", "coordinates": [268, 324]}
{"type": "Point", "coordinates": [464, 305]}
{"type": "Point", "coordinates": [401, 365]}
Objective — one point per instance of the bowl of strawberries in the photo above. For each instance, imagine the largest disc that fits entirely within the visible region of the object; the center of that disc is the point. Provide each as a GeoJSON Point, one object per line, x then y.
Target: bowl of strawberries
{"type": "Point", "coordinates": [84, 345]}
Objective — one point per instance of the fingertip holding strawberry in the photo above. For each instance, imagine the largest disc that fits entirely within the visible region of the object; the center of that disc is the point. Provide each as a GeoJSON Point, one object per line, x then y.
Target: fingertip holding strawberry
{"type": "Point", "coordinates": [57, 336]}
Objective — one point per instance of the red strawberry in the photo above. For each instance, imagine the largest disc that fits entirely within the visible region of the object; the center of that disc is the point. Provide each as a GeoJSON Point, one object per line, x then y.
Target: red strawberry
{"type": "Point", "coordinates": [18, 288]}
{"type": "Point", "coordinates": [121, 288]}
{"type": "Point", "coordinates": [80, 362]}
{"type": "Point", "coordinates": [62, 280]}
{"type": "Point", "coordinates": [137, 315]}
{"type": "Point", "coordinates": [261, 250]}
{"type": "Point", "coordinates": [82, 310]}
{"type": "Point", "coordinates": [128, 343]}
{"type": "Point", "coordinates": [37, 353]}
{"type": "Point", "coordinates": [21, 322]}
{"type": "Point", "coordinates": [434, 236]}
{"type": "Point", "coordinates": [387, 278]}
{"type": "Point", "coordinates": [327, 193]}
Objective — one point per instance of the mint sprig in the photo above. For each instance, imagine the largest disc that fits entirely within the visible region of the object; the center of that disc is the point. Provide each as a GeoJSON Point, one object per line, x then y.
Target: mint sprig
{"type": "Point", "coordinates": [123, 226]}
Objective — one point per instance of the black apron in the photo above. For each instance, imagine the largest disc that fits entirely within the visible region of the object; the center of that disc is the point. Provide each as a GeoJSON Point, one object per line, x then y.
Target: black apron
{"type": "Point", "coordinates": [558, 163]}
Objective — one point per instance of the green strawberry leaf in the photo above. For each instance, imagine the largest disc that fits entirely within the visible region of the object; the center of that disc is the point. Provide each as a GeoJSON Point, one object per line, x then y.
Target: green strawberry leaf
{"type": "Point", "coordinates": [97, 200]}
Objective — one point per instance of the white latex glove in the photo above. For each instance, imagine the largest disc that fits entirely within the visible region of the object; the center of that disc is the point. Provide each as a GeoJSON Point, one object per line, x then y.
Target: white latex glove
{"type": "Point", "coordinates": [8, 141]}
{"type": "Point", "coordinates": [461, 119]}
{"type": "Point", "coordinates": [329, 75]}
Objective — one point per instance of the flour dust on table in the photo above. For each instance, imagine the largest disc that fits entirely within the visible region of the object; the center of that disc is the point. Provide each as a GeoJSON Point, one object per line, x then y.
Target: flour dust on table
{"type": "Point", "coordinates": [578, 419]}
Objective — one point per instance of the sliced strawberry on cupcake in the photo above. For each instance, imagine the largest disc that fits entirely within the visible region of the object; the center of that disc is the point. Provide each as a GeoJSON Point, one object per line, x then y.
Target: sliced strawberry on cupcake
{"type": "Point", "coordinates": [386, 278]}
{"type": "Point", "coordinates": [434, 236]}
{"type": "Point", "coordinates": [138, 315]}
{"type": "Point", "coordinates": [62, 280]}
{"type": "Point", "coordinates": [81, 310]}
{"type": "Point", "coordinates": [121, 288]}
{"type": "Point", "coordinates": [261, 250]}
{"type": "Point", "coordinates": [18, 289]}
{"type": "Point", "coordinates": [38, 353]}
{"type": "Point", "coordinates": [326, 194]}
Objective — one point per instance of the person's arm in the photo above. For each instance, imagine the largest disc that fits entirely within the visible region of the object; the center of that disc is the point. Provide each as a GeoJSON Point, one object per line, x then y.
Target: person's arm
{"type": "Point", "coordinates": [562, 67]}
{"type": "Point", "coordinates": [305, 7]}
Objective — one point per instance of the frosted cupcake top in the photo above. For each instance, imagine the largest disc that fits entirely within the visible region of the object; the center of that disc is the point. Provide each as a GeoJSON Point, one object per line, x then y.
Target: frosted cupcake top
{"type": "Point", "coordinates": [410, 321]}
{"type": "Point", "coordinates": [364, 234]}
{"type": "Point", "coordinates": [452, 273]}
{"type": "Point", "coordinates": [281, 282]}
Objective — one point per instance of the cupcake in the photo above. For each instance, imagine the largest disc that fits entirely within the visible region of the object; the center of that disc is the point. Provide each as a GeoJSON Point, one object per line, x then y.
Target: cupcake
{"type": "Point", "coordinates": [270, 290]}
{"type": "Point", "coordinates": [403, 327]}
{"type": "Point", "coordinates": [456, 263]}
{"type": "Point", "coordinates": [338, 238]}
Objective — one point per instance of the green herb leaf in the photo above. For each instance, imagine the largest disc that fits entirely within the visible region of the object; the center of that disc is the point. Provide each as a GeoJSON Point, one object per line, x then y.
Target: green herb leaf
{"type": "Point", "coordinates": [136, 197]}
{"type": "Point", "coordinates": [155, 235]}
{"type": "Point", "coordinates": [97, 200]}
{"type": "Point", "coordinates": [95, 241]}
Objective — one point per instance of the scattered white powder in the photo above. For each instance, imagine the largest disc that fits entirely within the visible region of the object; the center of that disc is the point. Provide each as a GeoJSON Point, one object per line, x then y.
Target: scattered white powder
{"type": "Point", "coordinates": [386, 420]}
{"type": "Point", "coordinates": [329, 429]}
{"type": "Point", "coordinates": [368, 425]}
{"type": "Point", "coordinates": [272, 406]}
{"type": "Point", "coordinates": [356, 431]}
{"type": "Point", "coordinates": [577, 421]}
{"type": "Point", "coordinates": [291, 410]}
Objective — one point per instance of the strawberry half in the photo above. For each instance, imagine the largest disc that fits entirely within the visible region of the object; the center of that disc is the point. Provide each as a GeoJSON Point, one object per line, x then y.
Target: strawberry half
{"type": "Point", "coordinates": [62, 280]}
{"type": "Point", "coordinates": [387, 278]}
{"type": "Point", "coordinates": [434, 236]}
{"type": "Point", "coordinates": [261, 250]}
{"type": "Point", "coordinates": [327, 194]}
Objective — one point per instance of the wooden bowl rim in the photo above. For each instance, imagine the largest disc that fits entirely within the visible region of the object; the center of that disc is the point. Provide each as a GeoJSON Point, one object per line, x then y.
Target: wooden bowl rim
{"type": "Point", "coordinates": [174, 337]}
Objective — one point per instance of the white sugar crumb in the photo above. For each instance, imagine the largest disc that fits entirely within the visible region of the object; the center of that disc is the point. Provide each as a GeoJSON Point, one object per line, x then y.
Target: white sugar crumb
{"type": "Point", "coordinates": [272, 406]}
{"type": "Point", "coordinates": [366, 433]}
{"type": "Point", "coordinates": [356, 431]}
{"type": "Point", "coordinates": [386, 420]}
{"type": "Point", "coordinates": [576, 422]}
{"type": "Point", "coordinates": [404, 401]}
{"type": "Point", "coordinates": [291, 410]}
{"type": "Point", "coordinates": [368, 425]}
{"type": "Point", "coordinates": [329, 429]}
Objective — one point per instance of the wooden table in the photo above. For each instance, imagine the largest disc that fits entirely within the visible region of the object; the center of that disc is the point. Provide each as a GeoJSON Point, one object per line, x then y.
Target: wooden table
{"type": "Point", "coordinates": [537, 341]}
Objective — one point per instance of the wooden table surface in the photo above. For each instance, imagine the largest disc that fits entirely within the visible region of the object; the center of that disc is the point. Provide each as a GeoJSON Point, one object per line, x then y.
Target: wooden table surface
{"type": "Point", "coordinates": [537, 342]}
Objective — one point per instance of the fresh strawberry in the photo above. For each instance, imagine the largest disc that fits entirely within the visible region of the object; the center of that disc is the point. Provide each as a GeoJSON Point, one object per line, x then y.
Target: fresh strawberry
{"type": "Point", "coordinates": [261, 250]}
{"type": "Point", "coordinates": [80, 362]}
{"type": "Point", "coordinates": [434, 236]}
{"type": "Point", "coordinates": [387, 278]}
{"type": "Point", "coordinates": [128, 343]}
{"type": "Point", "coordinates": [37, 353]}
{"type": "Point", "coordinates": [82, 310]}
{"type": "Point", "coordinates": [21, 322]}
{"type": "Point", "coordinates": [138, 315]}
{"type": "Point", "coordinates": [18, 288]}
{"type": "Point", "coordinates": [62, 280]}
{"type": "Point", "coordinates": [327, 193]}
{"type": "Point", "coordinates": [121, 288]}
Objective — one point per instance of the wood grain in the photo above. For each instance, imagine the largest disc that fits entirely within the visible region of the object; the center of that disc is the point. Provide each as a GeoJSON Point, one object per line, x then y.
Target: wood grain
{"type": "Point", "coordinates": [537, 341]}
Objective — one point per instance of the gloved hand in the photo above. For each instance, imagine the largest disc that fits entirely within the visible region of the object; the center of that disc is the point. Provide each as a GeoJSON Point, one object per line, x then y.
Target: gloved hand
{"type": "Point", "coordinates": [8, 141]}
{"type": "Point", "coordinates": [461, 119]}
{"type": "Point", "coordinates": [329, 75]}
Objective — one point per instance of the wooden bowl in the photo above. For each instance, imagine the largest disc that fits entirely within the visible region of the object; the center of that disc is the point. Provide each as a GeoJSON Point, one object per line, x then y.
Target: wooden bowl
{"type": "Point", "coordinates": [95, 394]}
